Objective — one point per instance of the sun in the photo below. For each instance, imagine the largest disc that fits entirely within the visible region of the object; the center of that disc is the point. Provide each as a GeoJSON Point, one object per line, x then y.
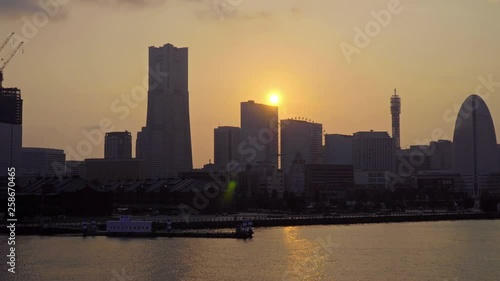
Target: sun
{"type": "Point", "coordinates": [274, 98]}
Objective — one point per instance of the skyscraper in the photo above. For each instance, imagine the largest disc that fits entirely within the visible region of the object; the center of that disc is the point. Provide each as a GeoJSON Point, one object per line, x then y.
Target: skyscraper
{"type": "Point", "coordinates": [373, 151]}
{"type": "Point", "coordinates": [165, 142]}
{"type": "Point", "coordinates": [338, 149]}
{"type": "Point", "coordinates": [259, 133]}
{"type": "Point", "coordinates": [300, 137]}
{"type": "Point", "coordinates": [442, 155]}
{"type": "Point", "coordinates": [475, 145]}
{"type": "Point", "coordinates": [226, 141]}
{"type": "Point", "coordinates": [395, 112]}
{"type": "Point", "coordinates": [11, 131]}
{"type": "Point", "coordinates": [118, 145]}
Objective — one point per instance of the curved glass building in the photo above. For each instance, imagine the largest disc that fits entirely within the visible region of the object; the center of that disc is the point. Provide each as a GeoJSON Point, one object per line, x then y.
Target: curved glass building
{"type": "Point", "coordinates": [474, 149]}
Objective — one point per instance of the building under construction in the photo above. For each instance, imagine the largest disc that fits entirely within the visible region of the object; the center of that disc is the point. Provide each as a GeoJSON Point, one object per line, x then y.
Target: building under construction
{"type": "Point", "coordinates": [11, 119]}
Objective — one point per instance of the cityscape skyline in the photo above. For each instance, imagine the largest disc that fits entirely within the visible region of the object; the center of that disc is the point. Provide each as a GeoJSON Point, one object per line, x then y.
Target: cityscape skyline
{"type": "Point", "coordinates": [261, 69]}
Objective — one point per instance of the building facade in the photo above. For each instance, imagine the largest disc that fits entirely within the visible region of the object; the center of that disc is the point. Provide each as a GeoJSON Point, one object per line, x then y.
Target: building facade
{"type": "Point", "coordinates": [442, 155]}
{"type": "Point", "coordinates": [11, 131]}
{"type": "Point", "coordinates": [165, 142]}
{"type": "Point", "coordinates": [475, 145]}
{"type": "Point", "coordinates": [300, 137]}
{"type": "Point", "coordinates": [226, 141]}
{"type": "Point", "coordinates": [259, 133]}
{"type": "Point", "coordinates": [118, 145]}
{"type": "Point", "coordinates": [43, 162]}
{"type": "Point", "coordinates": [373, 151]}
{"type": "Point", "coordinates": [338, 149]}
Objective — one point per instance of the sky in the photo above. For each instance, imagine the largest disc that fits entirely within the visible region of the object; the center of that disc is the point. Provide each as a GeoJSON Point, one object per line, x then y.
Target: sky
{"type": "Point", "coordinates": [335, 62]}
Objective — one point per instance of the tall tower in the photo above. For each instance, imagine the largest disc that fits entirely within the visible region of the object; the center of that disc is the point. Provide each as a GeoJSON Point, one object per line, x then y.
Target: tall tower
{"type": "Point", "coordinates": [165, 142]}
{"type": "Point", "coordinates": [395, 112]}
{"type": "Point", "coordinates": [11, 131]}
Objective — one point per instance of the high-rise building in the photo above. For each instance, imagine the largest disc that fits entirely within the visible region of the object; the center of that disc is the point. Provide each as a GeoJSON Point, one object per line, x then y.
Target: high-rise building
{"type": "Point", "coordinates": [442, 155]}
{"type": "Point", "coordinates": [328, 183]}
{"type": "Point", "coordinates": [295, 179]}
{"type": "Point", "coordinates": [300, 137]}
{"type": "Point", "coordinates": [226, 141]}
{"type": "Point", "coordinates": [259, 133]}
{"type": "Point", "coordinates": [43, 162]}
{"type": "Point", "coordinates": [165, 142]}
{"type": "Point", "coordinates": [373, 151]}
{"type": "Point", "coordinates": [118, 145]}
{"type": "Point", "coordinates": [338, 149]}
{"type": "Point", "coordinates": [475, 145]}
{"type": "Point", "coordinates": [396, 112]}
{"type": "Point", "coordinates": [11, 131]}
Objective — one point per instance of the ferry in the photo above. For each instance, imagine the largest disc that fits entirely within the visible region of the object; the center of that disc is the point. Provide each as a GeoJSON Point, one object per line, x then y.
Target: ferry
{"type": "Point", "coordinates": [126, 226]}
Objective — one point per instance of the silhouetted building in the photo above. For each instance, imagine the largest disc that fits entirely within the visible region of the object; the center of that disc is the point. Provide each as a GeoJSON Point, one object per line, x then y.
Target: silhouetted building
{"type": "Point", "coordinates": [165, 142]}
{"type": "Point", "coordinates": [373, 151]}
{"type": "Point", "coordinates": [328, 183]}
{"type": "Point", "coordinates": [412, 160]}
{"type": "Point", "coordinates": [118, 145]}
{"type": "Point", "coordinates": [371, 179]}
{"type": "Point", "coordinates": [226, 141]}
{"type": "Point", "coordinates": [298, 136]}
{"type": "Point", "coordinates": [43, 162]}
{"type": "Point", "coordinates": [295, 178]}
{"type": "Point", "coordinates": [11, 131]}
{"type": "Point", "coordinates": [475, 145]}
{"type": "Point", "coordinates": [448, 181]}
{"type": "Point", "coordinates": [338, 149]}
{"type": "Point", "coordinates": [442, 155]}
{"type": "Point", "coordinates": [76, 169]}
{"type": "Point", "coordinates": [259, 133]}
{"type": "Point", "coordinates": [396, 112]}
{"type": "Point", "coordinates": [104, 170]}
{"type": "Point", "coordinates": [261, 178]}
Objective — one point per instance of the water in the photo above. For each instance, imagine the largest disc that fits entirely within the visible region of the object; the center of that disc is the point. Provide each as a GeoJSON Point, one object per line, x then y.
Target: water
{"type": "Point", "coordinates": [462, 251]}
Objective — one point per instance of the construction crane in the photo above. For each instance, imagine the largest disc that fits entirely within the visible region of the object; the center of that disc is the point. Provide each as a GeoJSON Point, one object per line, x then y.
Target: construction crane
{"type": "Point", "coordinates": [6, 41]}
{"type": "Point", "coordinates": [2, 67]}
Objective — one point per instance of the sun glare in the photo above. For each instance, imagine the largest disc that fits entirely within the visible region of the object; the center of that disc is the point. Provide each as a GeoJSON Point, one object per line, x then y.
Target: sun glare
{"type": "Point", "coordinates": [274, 98]}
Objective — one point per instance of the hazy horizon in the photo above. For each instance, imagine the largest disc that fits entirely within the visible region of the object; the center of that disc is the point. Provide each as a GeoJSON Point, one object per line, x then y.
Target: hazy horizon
{"type": "Point", "coordinates": [92, 52]}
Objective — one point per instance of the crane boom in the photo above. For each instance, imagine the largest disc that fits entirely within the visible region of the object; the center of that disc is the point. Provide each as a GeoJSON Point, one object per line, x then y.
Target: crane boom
{"type": "Point", "coordinates": [7, 62]}
{"type": "Point", "coordinates": [6, 40]}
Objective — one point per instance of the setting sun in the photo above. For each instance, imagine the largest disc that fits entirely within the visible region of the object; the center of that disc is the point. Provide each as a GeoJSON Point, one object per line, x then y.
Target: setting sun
{"type": "Point", "coordinates": [274, 98]}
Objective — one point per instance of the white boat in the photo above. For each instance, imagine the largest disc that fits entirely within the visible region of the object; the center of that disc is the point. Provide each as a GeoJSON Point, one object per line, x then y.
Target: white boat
{"type": "Point", "coordinates": [125, 225]}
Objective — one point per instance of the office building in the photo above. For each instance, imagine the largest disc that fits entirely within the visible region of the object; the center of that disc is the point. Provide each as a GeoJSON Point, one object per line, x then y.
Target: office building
{"type": "Point", "coordinates": [259, 133]}
{"type": "Point", "coordinates": [11, 131]}
{"type": "Point", "coordinates": [43, 162]}
{"type": "Point", "coordinates": [165, 142]}
{"type": "Point", "coordinates": [118, 145]}
{"type": "Point", "coordinates": [442, 155]}
{"type": "Point", "coordinates": [475, 145]}
{"type": "Point", "coordinates": [226, 141]}
{"type": "Point", "coordinates": [338, 149]}
{"type": "Point", "coordinates": [373, 151]}
{"type": "Point", "coordinates": [300, 137]}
